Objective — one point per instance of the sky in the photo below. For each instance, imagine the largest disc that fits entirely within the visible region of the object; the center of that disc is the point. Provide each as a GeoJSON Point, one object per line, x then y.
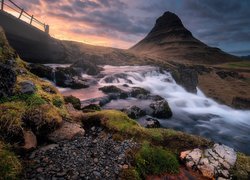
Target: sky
{"type": "Point", "coordinates": [122, 23]}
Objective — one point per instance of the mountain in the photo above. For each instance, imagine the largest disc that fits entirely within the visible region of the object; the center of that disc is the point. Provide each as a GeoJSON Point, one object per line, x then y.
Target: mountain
{"type": "Point", "coordinates": [170, 40]}
{"type": "Point", "coordinates": [245, 57]}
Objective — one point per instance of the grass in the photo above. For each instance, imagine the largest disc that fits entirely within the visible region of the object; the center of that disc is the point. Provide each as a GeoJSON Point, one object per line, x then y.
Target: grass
{"type": "Point", "coordinates": [10, 167]}
{"type": "Point", "coordinates": [153, 160]}
{"type": "Point", "coordinates": [242, 167]}
{"type": "Point", "coordinates": [241, 64]}
{"type": "Point", "coordinates": [74, 101]}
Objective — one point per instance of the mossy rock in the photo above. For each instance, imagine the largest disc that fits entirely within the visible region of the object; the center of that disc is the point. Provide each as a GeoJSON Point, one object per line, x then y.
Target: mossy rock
{"type": "Point", "coordinates": [110, 89]}
{"type": "Point", "coordinates": [129, 174]}
{"type": "Point", "coordinates": [10, 166]}
{"type": "Point", "coordinates": [91, 107]}
{"type": "Point", "coordinates": [74, 101]}
{"type": "Point", "coordinates": [42, 120]}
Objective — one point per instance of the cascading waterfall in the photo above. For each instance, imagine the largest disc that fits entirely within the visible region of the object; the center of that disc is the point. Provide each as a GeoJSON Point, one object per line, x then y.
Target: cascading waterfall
{"type": "Point", "coordinates": [192, 113]}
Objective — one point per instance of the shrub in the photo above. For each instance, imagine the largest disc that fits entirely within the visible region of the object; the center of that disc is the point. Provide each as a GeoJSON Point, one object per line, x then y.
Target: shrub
{"type": "Point", "coordinates": [152, 160]}
{"type": "Point", "coordinates": [129, 174]}
{"type": "Point", "coordinates": [10, 166]}
{"type": "Point", "coordinates": [57, 101]}
{"type": "Point", "coordinates": [74, 101]}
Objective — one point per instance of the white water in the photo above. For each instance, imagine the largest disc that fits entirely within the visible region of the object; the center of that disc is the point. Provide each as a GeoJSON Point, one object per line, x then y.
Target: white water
{"type": "Point", "coordinates": [192, 113]}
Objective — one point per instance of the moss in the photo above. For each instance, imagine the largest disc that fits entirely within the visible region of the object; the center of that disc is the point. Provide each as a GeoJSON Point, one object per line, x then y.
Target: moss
{"type": "Point", "coordinates": [121, 124]}
{"type": "Point", "coordinates": [242, 167]}
{"type": "Point", "coordinates": [151, 160]}
{"type": "Point", "coordinates": [57, 101]}
{"type": "Point", "coordinates": [129, 174]}
{"type": "Point", "coordinates": [10, 167]}
{"type": "Point", "coordinates": [74, 101]}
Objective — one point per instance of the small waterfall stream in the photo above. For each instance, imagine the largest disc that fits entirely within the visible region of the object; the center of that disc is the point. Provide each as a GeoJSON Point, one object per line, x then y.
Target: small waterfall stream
{"type": "Point", "coordinates": [192, 113]}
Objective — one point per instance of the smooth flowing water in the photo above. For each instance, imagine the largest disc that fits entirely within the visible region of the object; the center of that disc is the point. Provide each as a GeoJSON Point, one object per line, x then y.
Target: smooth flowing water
{"type": "Point", "coordinates": [192, 113]}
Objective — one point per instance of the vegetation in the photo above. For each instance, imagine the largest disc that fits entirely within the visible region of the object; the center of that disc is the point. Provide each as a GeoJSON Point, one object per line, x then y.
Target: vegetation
{"type": "Point", "coordinates": [241, 64]}
{"type": "Point", "coordinates": [10, 167]}
{"type": "Point", "coordinates": [74, 101]}
{"type": "Point", "coordinates": [242, 167]}
{"type": "Point", "coordinates": [151, 160]}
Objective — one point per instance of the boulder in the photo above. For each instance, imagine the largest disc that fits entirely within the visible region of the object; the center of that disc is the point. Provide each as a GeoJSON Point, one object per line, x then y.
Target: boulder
{"type": "Point", "coordinates": [87, 67]}
{"type": "Point", "coordinates": [140, 93]}
{"type": "Point", "coordinates": [66, 132]}
{"type": "Point", "coordinates": [8, 79]}
{"type": "Point", "coordinates": [214, 163]}
{"type": "Point", "coordinates": [134, 112]}
{"type": "Point", "coordinates": [151, 123]}
{"type": "Point", "coordinates": [42, 71]}
{"type": "Point", "coordinates": [27, 87]}
{"type": "Point", "coordinates": [30, 141]}
{"type": "Point", "coordinates": [187, 77]}
{"type": "Point", "coordinates": [69, 77]}
{"type": "Point", "coordinates": [111, 89]}
{"type": "Point", "coordinates": [91, 107]}
{"type": "Point", "coordinates": [161, 109]}
{"type": "Point", "coordinates": [232, 74]}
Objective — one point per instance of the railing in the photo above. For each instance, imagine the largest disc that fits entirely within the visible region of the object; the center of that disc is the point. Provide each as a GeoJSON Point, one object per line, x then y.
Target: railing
{"type": "Point", "coordinates": [9, 6]}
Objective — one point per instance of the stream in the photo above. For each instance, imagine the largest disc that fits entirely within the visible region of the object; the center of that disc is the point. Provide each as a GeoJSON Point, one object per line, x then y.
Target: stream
{"type": "Point", "coordinates": [192, 113]}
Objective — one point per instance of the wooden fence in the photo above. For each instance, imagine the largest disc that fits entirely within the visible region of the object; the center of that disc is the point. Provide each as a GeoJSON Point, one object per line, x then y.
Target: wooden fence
{"type": "Point", "coordinates": [9, 5]}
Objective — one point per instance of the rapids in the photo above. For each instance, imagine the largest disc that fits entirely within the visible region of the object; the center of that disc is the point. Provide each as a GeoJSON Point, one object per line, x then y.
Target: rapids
{"type": "Point", "coordinates": [192, 113]}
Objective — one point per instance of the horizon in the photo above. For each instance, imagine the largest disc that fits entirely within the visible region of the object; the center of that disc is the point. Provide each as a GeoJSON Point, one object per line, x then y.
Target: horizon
{"type": "Point", "coordinates": [124, 23]}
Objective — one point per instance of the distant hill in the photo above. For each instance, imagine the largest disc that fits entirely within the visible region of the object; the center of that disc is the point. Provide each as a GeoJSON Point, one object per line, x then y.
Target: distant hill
{"type": "Point", "coordinates": [245, 57]}
{"type": "Point", "coordinates": [169, 39]}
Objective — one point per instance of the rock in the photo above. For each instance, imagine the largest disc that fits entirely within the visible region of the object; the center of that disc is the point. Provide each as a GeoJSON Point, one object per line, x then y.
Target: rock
{"type": "Point", "coordinates": [74, 101]}
{"type": "Point", "coordinates": [30, 141]}
{"type": "Point", "coordinates": [87, 67]}
{"type": "Point", "coordinates": [187, 77]}
{"type": "Point", "coordinates": [42, 71]}
{"type": "Point", "coordinates": [66, 132]}
{"type": "Point", "coordinates": [241, 103]}
{"type": "Point", "coordinates": [134, 112]}
{"type": "Point", "coordinates": [161, 109]}
{"type": "Point", "coordinates": [8, 78]}
{"type": "Point", "coordinates": [152, 123]}
{"type": "Point", "coordinates": [27, 87]}
{"type": "Point", "coordinates": [214, 162]}
{"type": "Point", "coordinates": [68, 77]}
{"type": "Point", "coordinates": [110, 89]}
{"type": "Point", "coordinates": [140, 93]}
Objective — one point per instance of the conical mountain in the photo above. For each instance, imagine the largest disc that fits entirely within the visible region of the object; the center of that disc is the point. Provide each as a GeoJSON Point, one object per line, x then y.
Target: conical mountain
{"type": "Point", "coordinates": [170, 40]}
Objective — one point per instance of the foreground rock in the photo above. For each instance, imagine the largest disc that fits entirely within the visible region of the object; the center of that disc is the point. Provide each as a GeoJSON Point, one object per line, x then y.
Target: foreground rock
{"type": "Point", "coordinates": [161, 109]}
{"type": "Point", "coordinates": [42, 71]}
{"type": "Point", "coordinates": [66, 132]}
{"type": "Point", "coordinates": [134, 112]}
{"type": "Point", "coordinates": [212, 163]}
{"type": "Point", "coordinates": [94, 156]}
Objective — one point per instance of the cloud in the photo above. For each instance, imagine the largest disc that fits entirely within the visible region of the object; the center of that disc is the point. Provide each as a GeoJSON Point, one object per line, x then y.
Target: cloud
{"type": "Point", "coordinates": [221, 23]}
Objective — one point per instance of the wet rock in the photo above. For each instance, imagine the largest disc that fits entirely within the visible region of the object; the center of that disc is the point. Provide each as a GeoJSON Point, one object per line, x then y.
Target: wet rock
{"type": "Point", "coordinates": [187, 77]}
{"type": "Point", "coordinates": [27, 87]}
{"type": "Point", "coordinates": [161, 109]}
{"type": "Point", "coordinates": [139, 93]}
{"type": "Point", "coordinates": [66, 132]}
{"type": "Point", "coordinates": [8, 78]}
{"type": "Point", "coordinates": [152, 123]}
{"type": "Point", "coordinates": [212, 163]}
{"type": "Point", "coordinates": [241, 103]}
{"type": "Point", "coordinates": [69, 77]}
{"type": "Point", "coordinates": [110, 89]}
{"type": "Point", "coordinates": [87, 67]}
{"type": "Point", "coordinates": [134, 112]}
{"type": "Point", "coordinates": [42, 71]}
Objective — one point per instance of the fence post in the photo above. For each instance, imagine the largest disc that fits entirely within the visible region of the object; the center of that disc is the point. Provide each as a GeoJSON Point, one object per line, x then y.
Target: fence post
{"type": "Point", "coordinates": [31, 19]}
{"type": "Point", "coordinates": [20, 14]}
{"type": "Point", "coordinates": [2, 3]}
{"type": "Point", "coordinates": [46, 27]}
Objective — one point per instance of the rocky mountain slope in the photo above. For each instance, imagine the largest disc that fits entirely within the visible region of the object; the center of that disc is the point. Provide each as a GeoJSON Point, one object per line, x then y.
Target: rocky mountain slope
{"type": "Point", "coordinates": [170, 40]}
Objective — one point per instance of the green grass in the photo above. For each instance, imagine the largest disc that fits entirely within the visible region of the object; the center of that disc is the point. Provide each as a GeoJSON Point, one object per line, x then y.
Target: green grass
{"type": "Point", "coordinates": [242, 167]}
{"type": "Point", "coordinates": [152, 160]}
{"type": "Point", "coordinates": [10, 167]}
{"type": "Point", "coordinates": [242, 64]}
